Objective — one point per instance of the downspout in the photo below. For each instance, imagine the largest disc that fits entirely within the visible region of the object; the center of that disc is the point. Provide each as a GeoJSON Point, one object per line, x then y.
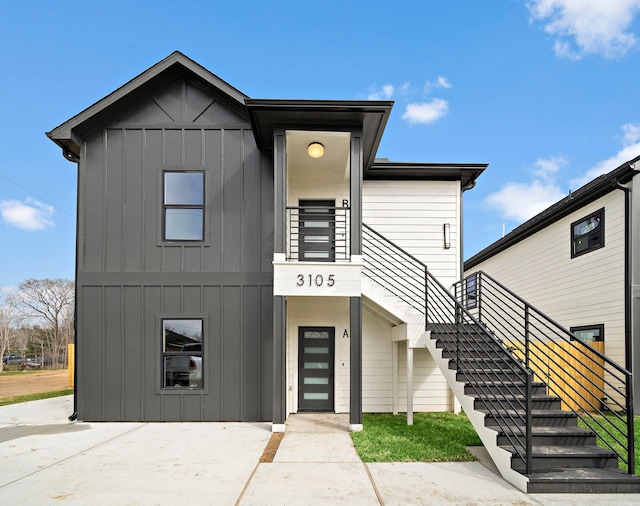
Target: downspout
{"type": "Point", "coordinates": [627, 273]}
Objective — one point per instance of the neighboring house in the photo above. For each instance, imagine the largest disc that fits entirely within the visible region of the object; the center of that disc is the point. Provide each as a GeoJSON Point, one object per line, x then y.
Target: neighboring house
{"type": "Point", "coordinates": [579, 262]}
{"type": "Point", "coordinates": [220, 258]}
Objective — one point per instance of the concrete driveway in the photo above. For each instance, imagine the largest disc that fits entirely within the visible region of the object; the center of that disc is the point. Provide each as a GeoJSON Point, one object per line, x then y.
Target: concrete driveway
{"type": "Point", "coordinates": [45, 459]}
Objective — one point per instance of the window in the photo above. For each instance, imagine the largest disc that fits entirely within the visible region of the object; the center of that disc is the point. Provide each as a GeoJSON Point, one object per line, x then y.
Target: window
{"type": "Point", "coordinates": [587, 234]}
{"type": "Point", "coordinates": [183, 206]}
{"type": "Point", "coordinates": [182, 353]}
{"type": "Point", "coordinates": [589, 333]}
{"type": "Point", "coordinates": [471, 291]}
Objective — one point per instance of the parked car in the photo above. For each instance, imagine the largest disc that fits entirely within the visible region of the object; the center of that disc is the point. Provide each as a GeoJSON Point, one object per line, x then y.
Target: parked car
{"type": "Point", "coordinates": [31, 363]}
{"type": "Point", "coordinates": [12, 359]}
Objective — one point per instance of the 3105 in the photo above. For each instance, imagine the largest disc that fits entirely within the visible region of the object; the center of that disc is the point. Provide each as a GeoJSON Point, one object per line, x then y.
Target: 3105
{"type": "Point", "coordinates": [315, 280]}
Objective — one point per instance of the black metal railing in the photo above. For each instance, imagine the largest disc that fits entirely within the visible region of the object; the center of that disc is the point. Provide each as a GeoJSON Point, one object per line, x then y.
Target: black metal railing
{"type": "Point", "coordinates": [490, 370]}
{"type": "Point", "coordinates": [588, 382]}
{"type": "Point", "coordinates": [318, 233]}
{"type": "Point", "coordinates": [393, 268]}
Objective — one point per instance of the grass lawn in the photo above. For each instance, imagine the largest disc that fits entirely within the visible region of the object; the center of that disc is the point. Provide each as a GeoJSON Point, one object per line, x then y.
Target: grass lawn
{"type": "Point", "coordinates": [433, 437]}
{"type": "Point", "coordinates": [34, 397]}
{"type": "Point", "coordinates": [610, 423]}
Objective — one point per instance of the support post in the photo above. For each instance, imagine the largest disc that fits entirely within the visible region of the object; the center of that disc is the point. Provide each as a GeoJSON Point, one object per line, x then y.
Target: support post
{"type": "Point", "coordinates": [409, 384]}
{"type": "Point", "coordinates": [355, 398]}
{"type": "Point", "coordinates": [394, 372]}
{"type": "Point", "coordinates": [279, 360]}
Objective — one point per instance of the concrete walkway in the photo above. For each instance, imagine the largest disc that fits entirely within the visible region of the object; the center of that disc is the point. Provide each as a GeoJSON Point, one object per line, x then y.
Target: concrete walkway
{"type": "Point", "coordinates": [44, 459]}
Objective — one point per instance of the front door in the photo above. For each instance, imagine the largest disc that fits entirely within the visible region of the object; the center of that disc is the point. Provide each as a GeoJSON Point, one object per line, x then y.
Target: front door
{"type": "Point", "coordinates": [315, 368]}
{"type": "Point", "coordinates": [317, 230]}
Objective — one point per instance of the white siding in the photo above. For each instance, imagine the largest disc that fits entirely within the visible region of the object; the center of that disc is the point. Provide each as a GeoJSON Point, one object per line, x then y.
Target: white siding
{"type": "Point", "coordinates": [585, 290]}
{"type": "Point", "coordinates": [412, 215]}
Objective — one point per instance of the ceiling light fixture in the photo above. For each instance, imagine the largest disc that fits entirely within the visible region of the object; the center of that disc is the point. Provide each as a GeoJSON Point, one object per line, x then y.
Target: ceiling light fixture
{"type": "Point", "coordinates": [315, 150]}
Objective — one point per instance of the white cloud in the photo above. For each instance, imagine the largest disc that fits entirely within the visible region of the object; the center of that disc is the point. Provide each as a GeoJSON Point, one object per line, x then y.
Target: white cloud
{"type": "Point", "coordinates": [29, 215]}
{"type": "Point", "coordinates": [630, 149]}
{"type": "Point", "coordinates": [624, 155]}
{"type": "Point", "coordinates": [631, 133]}
{"type": "Point", "coordinates": [440, 82]}
{"type": "Point", "coordinates": [547, 168]}
{"type": "Point", "coordinates": [594, 26]}
{"type": "Point", "coordinates": [426, 112]}
{"type": "Point", "coordinates": [521, 201]}
{"type": "Point", "coordinates": [384, 93]}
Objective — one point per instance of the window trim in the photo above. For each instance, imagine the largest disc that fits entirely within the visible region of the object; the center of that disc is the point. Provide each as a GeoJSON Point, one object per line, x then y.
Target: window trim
{"type": "Point", "coordinates": [578, 328]}
{"type": "Point", "coordinates": [164, 207]}
{"type": "Point", "coordinates": [160, 318]}
{"type": "Point", "coordinates": [575, 254]}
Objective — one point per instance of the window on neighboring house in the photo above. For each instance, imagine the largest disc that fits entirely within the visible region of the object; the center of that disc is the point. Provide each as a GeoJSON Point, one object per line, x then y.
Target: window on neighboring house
{"type": "Point", "coordinates": [183, 206]}
{"type": "Point", "coordinates": [589, 333]}
{"type": "Point", "coordinates": [182, 353]}
{"type": "Point", "coordinates": [471, 291]}
{"type": "Point", "coordinates": [587, 234]}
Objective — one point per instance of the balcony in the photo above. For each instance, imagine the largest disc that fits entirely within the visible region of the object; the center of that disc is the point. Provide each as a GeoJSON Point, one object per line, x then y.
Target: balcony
{"type": "Point", "coordinates": [318, 260]}
{"type": "Point", "coordinates": [317, 233]}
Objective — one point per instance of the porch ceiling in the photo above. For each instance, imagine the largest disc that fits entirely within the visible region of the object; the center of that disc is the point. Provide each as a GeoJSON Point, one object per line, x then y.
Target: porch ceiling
{"type": "Point", "coordinates": [320, 115]}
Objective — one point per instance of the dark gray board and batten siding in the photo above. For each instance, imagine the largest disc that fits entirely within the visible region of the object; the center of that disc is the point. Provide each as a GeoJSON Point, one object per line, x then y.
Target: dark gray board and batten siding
{"type": "Point", "coordinates": [128, 278]}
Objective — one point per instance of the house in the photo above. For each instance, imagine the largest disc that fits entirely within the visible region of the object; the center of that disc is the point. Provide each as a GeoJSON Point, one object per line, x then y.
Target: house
{"type": "Point", "coordinates": [578, 261]}
{"type": "Point", "coordinates": [220, 266]}
{"type": "Point", "coordinates": [244, 259]}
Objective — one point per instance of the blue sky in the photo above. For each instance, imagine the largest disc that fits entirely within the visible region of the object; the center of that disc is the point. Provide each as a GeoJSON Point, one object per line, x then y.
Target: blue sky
{"type": "Point", "coordinates": [545, 91]}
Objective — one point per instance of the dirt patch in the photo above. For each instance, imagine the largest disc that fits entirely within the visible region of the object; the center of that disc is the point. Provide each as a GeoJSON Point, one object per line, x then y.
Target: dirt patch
{"type": "Point", "coordinates": [272, 447]}
{"type": "Point", "coordinates": [33, 382]}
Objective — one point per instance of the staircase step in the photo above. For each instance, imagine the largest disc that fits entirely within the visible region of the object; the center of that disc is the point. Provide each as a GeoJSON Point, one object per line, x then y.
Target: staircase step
{"type": "Point", "coordinates": [547, 436]}
{"type": "Point", "coordinates": [583, 481]}
{"type": "Point", "coordinates": [537, 401]}
{"type": "Point", "coordinates": [543, 417]}
{"type": "Point", "coordinates": [537, 388]}
{"type": "Point", "coordinates": [549, 458]}
{"type": "Point", "coordinates": [489, 374]}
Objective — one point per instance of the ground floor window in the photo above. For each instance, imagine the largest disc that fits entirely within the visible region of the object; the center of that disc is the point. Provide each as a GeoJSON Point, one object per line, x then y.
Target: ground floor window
{"type": "Point", "coordinates": [589, 333]}
{"type": "Point", "coordinates": [182, 353]}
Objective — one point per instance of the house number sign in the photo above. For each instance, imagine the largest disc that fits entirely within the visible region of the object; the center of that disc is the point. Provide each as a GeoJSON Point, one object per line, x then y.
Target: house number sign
{"type": "Point", "coordinates": [317, 280]}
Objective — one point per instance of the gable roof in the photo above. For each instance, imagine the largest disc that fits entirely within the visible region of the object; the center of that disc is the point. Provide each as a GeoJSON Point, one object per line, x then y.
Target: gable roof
{"type": "Point", "coordinates": [584, 195]}
{"type": "Point", "coordinates": [68, 135]}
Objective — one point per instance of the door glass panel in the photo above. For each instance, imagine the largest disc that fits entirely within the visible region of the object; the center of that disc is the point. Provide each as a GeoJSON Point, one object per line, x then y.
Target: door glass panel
{"type": "Point", "coordinates": [316, 349]}
{"type": "Point", "coordinates": [310, 334]}
{"type": "Point", "coordinates": [316, 365]}
{"type": "Point", "coordinates": [316, 381]}
{"type": "Point", "coordinates": [316, 396]}
{"type": "Point", "coordinates": [317, 238]}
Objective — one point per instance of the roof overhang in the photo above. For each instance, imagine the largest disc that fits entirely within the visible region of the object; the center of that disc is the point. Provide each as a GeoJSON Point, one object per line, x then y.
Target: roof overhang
{"type": "Point", "coordinates": [70, 133]}
{"type": "Point", "coordinates": [466, 173]}
{"type": "Point", "coordinates": [330, 115]}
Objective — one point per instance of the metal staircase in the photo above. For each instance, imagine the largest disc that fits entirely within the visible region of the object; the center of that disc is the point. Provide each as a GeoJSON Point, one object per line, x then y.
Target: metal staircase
{"type": "Point", "coordinates": [523, 380]}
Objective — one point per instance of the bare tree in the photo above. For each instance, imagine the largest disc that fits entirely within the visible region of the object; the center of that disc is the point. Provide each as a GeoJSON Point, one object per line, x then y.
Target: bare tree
{"type": "Point", "coordinates": [8, 320]}
{"type": "Point", "coordinates": [48, 302]}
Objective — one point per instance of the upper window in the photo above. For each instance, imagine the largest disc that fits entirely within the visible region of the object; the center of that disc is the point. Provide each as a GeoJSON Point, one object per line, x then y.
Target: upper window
{"type": "Point", "coordinates": [182, 353]}
{"type": "Point", "coordinates": [183, 206]}
{"type": "Point", "coordinates": [587, 234]}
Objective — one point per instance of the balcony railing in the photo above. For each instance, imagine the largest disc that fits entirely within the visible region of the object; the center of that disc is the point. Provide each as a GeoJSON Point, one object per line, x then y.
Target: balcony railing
{"type": "Point", "coordinates": [318, 234]}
